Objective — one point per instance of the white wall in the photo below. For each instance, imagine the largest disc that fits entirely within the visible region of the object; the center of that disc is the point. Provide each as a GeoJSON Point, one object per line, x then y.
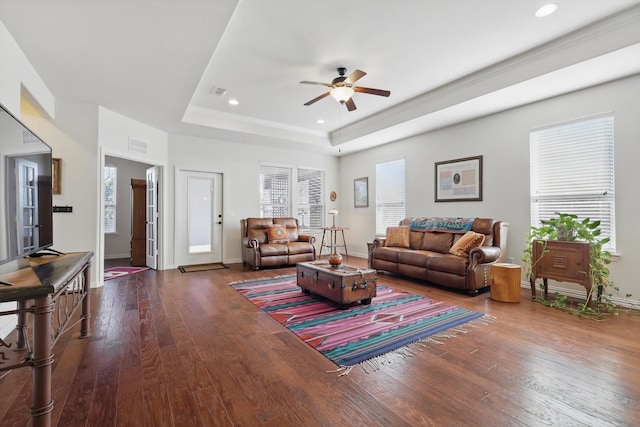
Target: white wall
{"type": "Point", "coordinates": [503, 141]}
{"type": "Point", "coordinates": [240, 166]}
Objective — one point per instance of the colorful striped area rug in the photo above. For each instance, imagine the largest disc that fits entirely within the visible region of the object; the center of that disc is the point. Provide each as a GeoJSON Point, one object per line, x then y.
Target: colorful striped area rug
{"type": "Point", "coordinates": [117, 272]}
{"type": "Point", "coordinates": [393, 322]}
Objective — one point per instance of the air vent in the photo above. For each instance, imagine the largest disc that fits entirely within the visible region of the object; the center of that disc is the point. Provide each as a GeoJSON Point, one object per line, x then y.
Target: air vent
{"type": "Point", "coordinates": [29, 138]}
{"type": "Point", "coordinates": [218, 91]}
{"type": "Point", "coordinates": [137, 145]}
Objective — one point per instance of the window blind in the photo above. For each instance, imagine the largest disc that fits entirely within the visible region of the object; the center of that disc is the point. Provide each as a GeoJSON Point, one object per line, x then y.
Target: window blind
{"type": "Point", "coordinates": [275, 191]}
{"type": "Point", "coordinates": [310, 211]}
{"type": "Point", "coordinates": [390, 194]}
{"type": "Point", "coordinates": [572, 171]}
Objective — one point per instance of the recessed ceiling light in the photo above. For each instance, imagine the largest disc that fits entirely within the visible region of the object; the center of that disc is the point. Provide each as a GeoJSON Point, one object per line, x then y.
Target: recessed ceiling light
{"type": "Point", "coordinates": [320, 121]}
{"type": "Point", "coordinates": [233, 101]}
{"type": "Point", "coordinates": [546, 10]}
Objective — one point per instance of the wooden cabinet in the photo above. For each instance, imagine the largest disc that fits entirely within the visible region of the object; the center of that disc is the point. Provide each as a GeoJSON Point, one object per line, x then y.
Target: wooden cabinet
{"type": "Point", "coordinates": [564, 261]}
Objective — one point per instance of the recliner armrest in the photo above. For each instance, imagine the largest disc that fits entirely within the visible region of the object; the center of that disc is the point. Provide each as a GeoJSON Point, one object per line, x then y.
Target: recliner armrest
{"type": "Point", "coordinates": [250, 243]}
{"type": "Point", "coordinates": [379, 242]}
{"type": "Point", "coordinates": [307, 238]}
{"type": "Point", "coordinates": [484, 254]}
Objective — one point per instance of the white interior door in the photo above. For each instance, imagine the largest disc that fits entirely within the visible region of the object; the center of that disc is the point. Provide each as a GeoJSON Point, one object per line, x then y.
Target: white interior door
{"type": "Point", "coordinates": [152, 218]}
{"type": "Point", "coordinates": [198, 217]}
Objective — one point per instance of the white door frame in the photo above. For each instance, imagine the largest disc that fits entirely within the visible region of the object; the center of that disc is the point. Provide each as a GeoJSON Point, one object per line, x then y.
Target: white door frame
{"type": "Point", "coordinates": [181, 256]}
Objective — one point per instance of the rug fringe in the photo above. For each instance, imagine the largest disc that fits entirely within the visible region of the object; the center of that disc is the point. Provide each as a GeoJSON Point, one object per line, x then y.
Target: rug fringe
{"type": "Point", "coordinates": [282, 276]}
{"type": "Point", "coordinates": [412, 349]}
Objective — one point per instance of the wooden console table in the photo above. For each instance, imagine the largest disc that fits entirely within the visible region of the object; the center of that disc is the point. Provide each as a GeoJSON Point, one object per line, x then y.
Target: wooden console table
{"type": "Point", "coordinates": [564, 261]}
{"type": "Point", "coordinates": [50, 288]}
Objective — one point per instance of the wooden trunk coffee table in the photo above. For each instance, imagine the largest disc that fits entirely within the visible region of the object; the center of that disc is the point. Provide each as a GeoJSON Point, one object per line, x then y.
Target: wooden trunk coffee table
{"type": "Point", "coordinates": [343, 284]}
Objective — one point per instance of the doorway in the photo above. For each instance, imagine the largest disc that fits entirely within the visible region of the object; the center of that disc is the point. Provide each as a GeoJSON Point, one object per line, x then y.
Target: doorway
{"type": "Point", "coordinates": [122, 248]}
{"type": "Point", "coordinates": [198, 198]}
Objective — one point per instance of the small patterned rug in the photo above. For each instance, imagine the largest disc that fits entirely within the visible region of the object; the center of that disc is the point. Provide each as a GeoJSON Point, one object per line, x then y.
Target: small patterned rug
{"type": "Point", "coordinates": [393, 321]}
{"type": "Point", "coordinates": [117, 272]}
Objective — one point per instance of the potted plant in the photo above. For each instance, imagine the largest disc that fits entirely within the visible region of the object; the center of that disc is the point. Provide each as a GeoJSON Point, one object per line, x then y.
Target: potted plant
{"type": "Point", "coordinates": [565, 226]}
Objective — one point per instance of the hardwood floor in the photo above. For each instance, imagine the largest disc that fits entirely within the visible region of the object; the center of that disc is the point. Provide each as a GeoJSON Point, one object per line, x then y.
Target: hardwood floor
{"type": "Point", "coordinates": [173, 349]}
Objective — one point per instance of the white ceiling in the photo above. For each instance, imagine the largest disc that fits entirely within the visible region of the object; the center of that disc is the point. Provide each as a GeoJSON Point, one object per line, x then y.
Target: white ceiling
{"type": "Point", "coordinates": [444, 61]}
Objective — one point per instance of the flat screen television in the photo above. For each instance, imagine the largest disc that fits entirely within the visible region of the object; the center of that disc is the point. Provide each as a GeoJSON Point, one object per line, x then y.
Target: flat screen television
{"type": "Point", "coordinates": [26, 223]}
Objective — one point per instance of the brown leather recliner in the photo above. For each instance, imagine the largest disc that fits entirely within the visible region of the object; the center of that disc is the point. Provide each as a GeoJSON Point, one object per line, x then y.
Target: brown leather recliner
{"type": "Point", "coordinates": [258, 252]}
{"type": "Point", "coordinates": [426, 256]}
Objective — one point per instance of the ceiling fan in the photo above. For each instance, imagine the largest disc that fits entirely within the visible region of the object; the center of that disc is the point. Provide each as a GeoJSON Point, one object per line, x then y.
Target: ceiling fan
{"type": "Point", "coordinates": [342, 88]}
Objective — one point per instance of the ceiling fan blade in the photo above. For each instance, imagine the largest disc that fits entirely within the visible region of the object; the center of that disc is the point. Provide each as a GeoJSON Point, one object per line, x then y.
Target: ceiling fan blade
{"type": "Point", "coordinates": [318, 98]}
{"type": "Point", "coordinates": [379, 92]}
{"type": "Point", "coordinates": [355, 76]}
{"type": "Point", "coordinates": [316, 83]}
{"type": "Point", "coordinates": [350, 104]}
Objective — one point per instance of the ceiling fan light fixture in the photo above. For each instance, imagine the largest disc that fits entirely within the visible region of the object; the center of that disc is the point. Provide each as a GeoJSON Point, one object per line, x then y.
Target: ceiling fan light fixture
{"type": "Point", "coordinates": [342, 93]}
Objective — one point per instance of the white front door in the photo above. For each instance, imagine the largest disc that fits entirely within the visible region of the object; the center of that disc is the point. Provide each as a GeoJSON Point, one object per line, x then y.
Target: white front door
{"type": "Point", "coordinates": [198, 202]}
{"type": "Point", "coordinates": [152, 218]}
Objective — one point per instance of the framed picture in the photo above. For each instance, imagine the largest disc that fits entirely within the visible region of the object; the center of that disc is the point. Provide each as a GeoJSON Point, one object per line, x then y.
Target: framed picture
{"type": "Point", "coordinates": [361, 192]}
{"type": "Point", "coordinates": [56, 177]}
{"type": "Point", "coordinates": [459, 180]}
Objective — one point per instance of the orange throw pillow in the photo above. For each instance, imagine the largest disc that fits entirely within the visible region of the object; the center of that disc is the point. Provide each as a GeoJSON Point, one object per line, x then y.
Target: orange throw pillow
{"type": "Point", "coordinates": [277, 234]}
{"type": "Point", "coordinates": [467, 242]}
{"type": "Point", "coordinates": [398, 236]}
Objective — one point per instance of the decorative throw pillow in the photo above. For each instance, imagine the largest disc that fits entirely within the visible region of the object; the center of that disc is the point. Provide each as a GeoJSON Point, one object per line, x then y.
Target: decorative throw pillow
{"type": "Point", "coordinates": [277, 234]}
{"type": "Point", "coordinates": [398, 236]}
{"type": "Point", "coordinates": [468, 241]}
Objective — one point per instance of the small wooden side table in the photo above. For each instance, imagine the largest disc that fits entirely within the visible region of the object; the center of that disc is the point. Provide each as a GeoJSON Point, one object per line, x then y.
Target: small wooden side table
{"type": "Point", "coordinates": [333, 240]}
{"type": "Point", "coordinates": [505, 282]}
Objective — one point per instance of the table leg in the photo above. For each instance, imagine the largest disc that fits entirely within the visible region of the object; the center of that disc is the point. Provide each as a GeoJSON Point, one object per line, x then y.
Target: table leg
{"type": "Point", "coordinates": [41, 361]}
{"type": "Point", "coordinates": [21, 326]}
{"type": "Point", "coordinates": [85, 324]}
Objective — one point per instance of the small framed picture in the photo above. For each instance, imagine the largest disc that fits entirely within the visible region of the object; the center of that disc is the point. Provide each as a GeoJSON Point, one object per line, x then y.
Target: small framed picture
{"type": "Point", "coordinates": [459, 180]}
{"type": "Point", "coordinates": [56, 176]}
{"type": "Point", "coordinates": [361, 192]}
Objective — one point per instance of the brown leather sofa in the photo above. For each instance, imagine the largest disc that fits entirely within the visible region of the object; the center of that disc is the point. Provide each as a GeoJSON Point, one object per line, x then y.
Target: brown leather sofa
{"type": "Point", "coordinates": [288, 249]}
{"type": "Point", "coordinates": [427, 257]}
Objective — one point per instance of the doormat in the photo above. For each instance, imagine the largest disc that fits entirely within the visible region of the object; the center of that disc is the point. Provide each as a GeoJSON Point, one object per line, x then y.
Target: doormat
{"type": "Point", "coordinates": [395, 324]}
{"type": "Point", "coordinates": [117, 272]}
{"type": "Point", "coordinates": [202, 267]}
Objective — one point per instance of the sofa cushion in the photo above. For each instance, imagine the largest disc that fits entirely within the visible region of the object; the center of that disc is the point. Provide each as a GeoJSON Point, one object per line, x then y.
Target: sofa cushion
{"type": "Point", "coordinates": [386, 253]}
{"type": "Point", "coordinates": [277, 234]}
{"type": "Point", "coordinates": [398, 236]}
{"type": "Point", "coordinates": [463, 245]}
{"type": "Point", "coordinates": [448, 264]}
{"type": "Point", "coordinates": [273, 249]}
{"type": "Point", "coordinates": [296, 248]}
{"type": "Point", "coordinates": [415, 239]}
{"type": "Point", "coordinates": [436, 242]}
{"type": "Point", "coordinates": [257, 228]}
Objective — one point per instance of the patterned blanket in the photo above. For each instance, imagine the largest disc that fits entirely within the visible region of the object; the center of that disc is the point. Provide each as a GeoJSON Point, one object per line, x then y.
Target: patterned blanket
{"type": "Point", "coordinates": [443, 224]}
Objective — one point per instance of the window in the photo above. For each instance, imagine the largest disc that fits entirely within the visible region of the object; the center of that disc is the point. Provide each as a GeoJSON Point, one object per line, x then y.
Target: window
{"type": "Point", "coordinates": [310, 210]}
{"type": "Point", "coordinates": [390, 203]}
{"type": "Point", "coordinates": [110, 192]}
{"type": "Point", "coordinates": [275, 183]}
{"type": "Point", "coordinates": [282, 188]}
{"type": "Point", "coordinates": [572, 171]}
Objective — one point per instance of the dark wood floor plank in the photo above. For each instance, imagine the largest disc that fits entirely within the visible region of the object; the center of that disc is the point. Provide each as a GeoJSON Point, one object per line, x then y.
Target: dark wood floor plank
{"type": "Point", "coordinates": [173, 349]}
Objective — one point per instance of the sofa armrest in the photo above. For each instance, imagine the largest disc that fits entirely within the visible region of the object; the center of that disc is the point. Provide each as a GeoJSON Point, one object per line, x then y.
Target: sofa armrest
{"type": "Point", "coordinates": [307, 238]}
{"type": "Point", "coordinates": [379, 242]}
{"type": "Point", "coordinates": [484, 255]}
{"type": "Point", "coordinates": [250, 243]}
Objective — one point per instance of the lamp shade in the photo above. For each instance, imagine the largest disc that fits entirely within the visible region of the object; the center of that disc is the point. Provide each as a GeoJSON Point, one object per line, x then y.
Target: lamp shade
{"type": "Point", "coordinates": [342, 93]}
{"type": "Point", "coordinates": [333, 212]}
